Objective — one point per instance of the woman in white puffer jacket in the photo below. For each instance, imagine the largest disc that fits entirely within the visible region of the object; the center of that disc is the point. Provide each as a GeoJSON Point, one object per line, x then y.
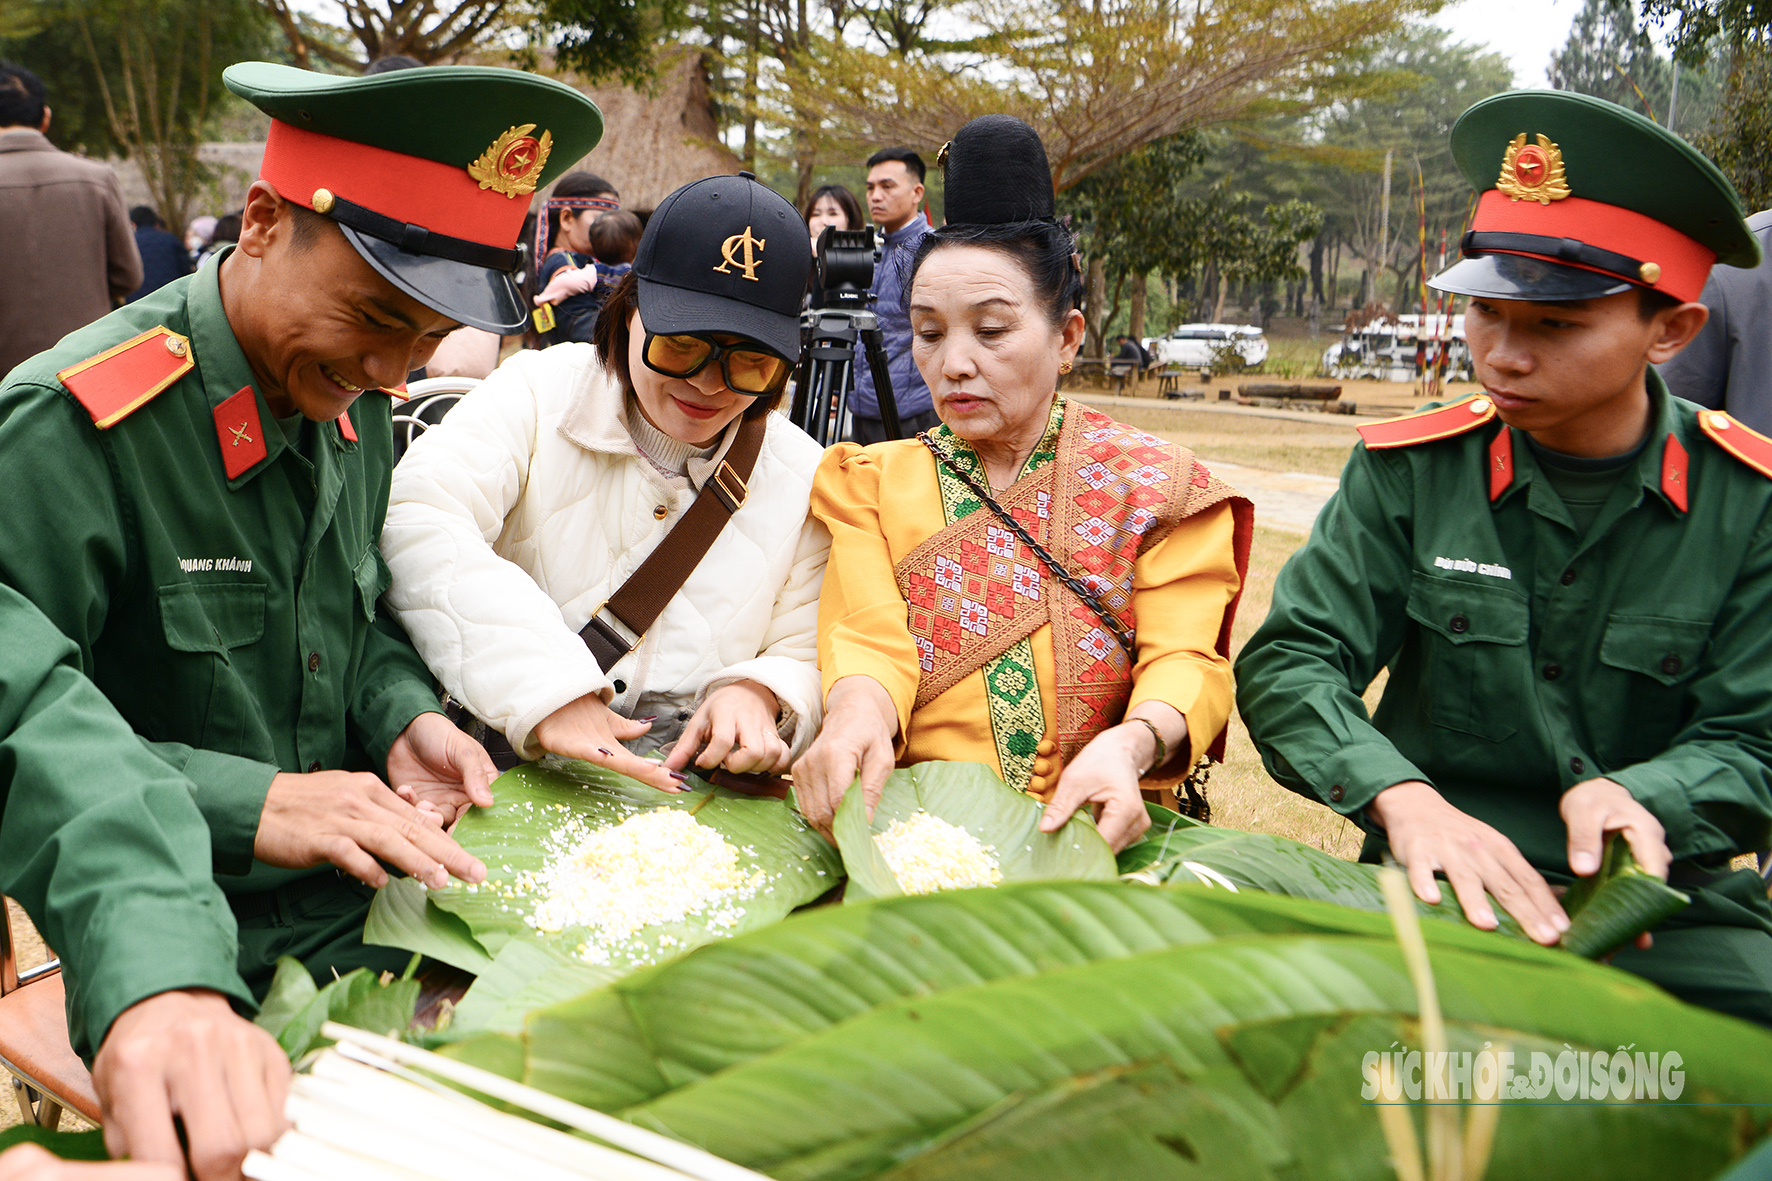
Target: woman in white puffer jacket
{"type": "Point", "coordinates": [517, 517]}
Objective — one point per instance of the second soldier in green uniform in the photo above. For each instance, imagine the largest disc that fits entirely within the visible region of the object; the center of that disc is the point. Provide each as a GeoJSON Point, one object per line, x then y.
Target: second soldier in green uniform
{"type": "Point", "coordinates": [1569, 576]}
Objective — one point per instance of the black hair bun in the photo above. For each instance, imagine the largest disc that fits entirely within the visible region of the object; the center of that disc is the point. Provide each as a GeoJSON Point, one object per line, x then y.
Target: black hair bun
{"type": "Point", "coordinates": [997, 174]}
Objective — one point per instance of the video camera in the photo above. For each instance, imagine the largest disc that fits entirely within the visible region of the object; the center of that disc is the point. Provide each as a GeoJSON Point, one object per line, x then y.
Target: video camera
{"type": "Point", "coordinates": [839, 317]}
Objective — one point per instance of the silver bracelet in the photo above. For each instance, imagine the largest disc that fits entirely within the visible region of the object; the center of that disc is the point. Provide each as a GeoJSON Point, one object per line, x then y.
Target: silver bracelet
{"type": "Point", "coordinates": [1162, 747]}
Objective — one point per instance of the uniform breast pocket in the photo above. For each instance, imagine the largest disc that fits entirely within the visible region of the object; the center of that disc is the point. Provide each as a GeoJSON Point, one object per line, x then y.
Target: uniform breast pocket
{"type": "Point", "coordinates": [1649, 661]}
{"type": "Point", "coordinates": [373, 580]}
{"type": "Point", "coordinates": [213, 624]}
{"type": "Point", "coordinates": [1476, 658]}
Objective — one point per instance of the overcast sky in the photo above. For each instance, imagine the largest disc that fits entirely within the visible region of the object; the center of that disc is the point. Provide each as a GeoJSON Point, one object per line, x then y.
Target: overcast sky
{"type": "Point", "coordinates": [1525, 32]}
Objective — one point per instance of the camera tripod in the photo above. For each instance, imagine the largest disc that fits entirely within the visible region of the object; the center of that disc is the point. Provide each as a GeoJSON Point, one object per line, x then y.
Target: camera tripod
{"type": "Point", "coordinates": [830, 333]}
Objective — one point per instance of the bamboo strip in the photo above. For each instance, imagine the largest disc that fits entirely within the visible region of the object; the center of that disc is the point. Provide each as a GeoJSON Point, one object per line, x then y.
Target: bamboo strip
{"type": "Point", "coordinates": [469, 1136]}
{"type": "Point", "coordinates": [651, 1145]}
{"type": "Point", "coordinates": [1444, 1143]}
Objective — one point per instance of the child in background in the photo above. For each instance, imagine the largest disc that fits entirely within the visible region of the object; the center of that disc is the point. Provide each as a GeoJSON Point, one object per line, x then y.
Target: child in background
{"type": "Point", "coordinates": [566, 277]}
{"type": "Point", "coordinates": [615, 237]}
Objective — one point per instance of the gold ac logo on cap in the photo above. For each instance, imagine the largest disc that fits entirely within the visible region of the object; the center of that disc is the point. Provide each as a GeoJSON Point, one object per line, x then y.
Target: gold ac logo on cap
{"type": "Point", "coordinates": [741, 251]}
{"type": "Point", "coordinates": [1533, 172]}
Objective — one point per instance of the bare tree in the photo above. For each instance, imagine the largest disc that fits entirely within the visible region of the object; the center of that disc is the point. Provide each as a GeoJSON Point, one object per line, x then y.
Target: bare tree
{"type": "Point", "coordinates": [1098, 78]}
{"type": "Point", "coordinates": [157, 67]}
{"type": "Point", "coordinates": [422, 29]}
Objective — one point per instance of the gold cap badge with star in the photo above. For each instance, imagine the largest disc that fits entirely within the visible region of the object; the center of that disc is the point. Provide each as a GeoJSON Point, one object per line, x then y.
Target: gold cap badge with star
{"type": "Point", "coordinates": [514, 162]}
{"type": "Point", "coordinates": [1533, 172]}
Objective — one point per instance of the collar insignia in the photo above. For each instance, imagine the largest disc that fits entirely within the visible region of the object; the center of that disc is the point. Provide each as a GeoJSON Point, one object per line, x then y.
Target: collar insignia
{"type": "Point", "coordinates": [240, 433]}
{"type": "Point", "coordinates": [514, 162]}
{"type": "Point", "coordinates": [1533, 172]}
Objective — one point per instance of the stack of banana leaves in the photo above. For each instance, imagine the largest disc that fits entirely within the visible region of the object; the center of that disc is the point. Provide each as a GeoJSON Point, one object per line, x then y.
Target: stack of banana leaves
{"type": "Point", "coordinates": [1170, 1014]}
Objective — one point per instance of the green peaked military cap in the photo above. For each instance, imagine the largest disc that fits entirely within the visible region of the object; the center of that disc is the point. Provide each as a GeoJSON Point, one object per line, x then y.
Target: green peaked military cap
{"type": "Point", "coordinates": [1580, 197]}
{"type": "Point", "coordinates": [428, 171]}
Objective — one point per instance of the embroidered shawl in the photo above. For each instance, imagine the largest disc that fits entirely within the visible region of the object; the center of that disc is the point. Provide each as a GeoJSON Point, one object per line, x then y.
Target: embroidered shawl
{"type": "Point", "coordinates": [1096, 501]}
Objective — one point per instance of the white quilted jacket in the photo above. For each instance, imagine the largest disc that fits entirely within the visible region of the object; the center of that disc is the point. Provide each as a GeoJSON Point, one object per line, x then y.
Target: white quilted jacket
{"type": "Point", "coordinates": [528, 506]}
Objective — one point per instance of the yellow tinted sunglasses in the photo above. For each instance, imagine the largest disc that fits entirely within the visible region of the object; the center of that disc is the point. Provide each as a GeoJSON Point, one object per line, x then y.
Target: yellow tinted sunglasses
{"type": "Point", "coordinates": [748, 368]}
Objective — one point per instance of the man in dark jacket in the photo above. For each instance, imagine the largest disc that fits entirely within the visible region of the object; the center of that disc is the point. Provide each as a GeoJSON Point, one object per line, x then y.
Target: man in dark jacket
{"type": "Point", "coordinates": [163, 255]}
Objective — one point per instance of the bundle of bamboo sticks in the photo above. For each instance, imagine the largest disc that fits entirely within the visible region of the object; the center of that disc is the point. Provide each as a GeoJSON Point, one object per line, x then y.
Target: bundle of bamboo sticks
{"type": "Point", "coordinates": [373, 1109]}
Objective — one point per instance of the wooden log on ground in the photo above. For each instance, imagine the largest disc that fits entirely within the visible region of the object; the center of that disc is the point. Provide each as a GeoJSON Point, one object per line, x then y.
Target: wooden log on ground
{"type": "Point", "coordinates": [1302, 390]}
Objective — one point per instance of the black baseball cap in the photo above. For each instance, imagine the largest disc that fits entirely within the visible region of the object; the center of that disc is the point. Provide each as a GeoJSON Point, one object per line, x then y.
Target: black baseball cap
{"type": "Point", "coordinates": [725, 254]}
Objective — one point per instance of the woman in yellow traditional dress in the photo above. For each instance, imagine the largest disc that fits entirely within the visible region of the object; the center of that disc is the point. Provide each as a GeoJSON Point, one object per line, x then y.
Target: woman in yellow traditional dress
{"type": "Point", "coordinates": [1032, 586]}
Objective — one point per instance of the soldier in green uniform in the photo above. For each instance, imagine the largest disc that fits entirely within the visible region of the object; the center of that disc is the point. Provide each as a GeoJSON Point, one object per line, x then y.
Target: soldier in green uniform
{"type": "Point", "coordinates": [196, 485]}
{"type": "Point", "coordinates": [1569, 576]}
{"type": "Point", "coordinates": [145, 936]}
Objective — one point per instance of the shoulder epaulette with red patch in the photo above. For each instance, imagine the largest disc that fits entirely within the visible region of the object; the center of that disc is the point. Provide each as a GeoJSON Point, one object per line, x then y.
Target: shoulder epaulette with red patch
{"type": "Point", "coordinates": [1744, 443]}
{"type": "Point", "coordinates": [125, 377]}
{"type": "Point", "coordinates": [1441, 423]}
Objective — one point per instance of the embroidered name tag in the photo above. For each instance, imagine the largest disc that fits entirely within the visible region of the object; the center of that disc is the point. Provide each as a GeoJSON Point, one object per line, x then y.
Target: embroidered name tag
{"type": "Point", "coordinates": [1466, 566]}
{"type": "Point", "coordinates": [204, 565]}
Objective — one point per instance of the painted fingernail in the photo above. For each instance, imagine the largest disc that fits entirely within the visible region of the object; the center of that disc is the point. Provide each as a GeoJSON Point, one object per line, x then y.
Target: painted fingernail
{"type": "Point", "coordinates": [648, 718]}
{"type": "Point", "coordinates": [605, 751]}
{"type": "Point", "coordinates": [678, 776]}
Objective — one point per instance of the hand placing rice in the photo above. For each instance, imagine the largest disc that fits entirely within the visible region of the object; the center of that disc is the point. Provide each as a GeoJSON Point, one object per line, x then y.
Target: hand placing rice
{"type": "Point", "coordinates": [926, 854]}
{"type": "Point", "coordinates": [657, 867]}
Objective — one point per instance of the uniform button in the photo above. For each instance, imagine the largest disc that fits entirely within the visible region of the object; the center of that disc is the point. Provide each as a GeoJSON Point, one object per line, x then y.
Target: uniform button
{"type": "Point", "coordinates": [1552, 671]}
{"type": "Point", "coordinates": [1042, 767]}
{"type": "Point", "coordinates": [660, 512]}
{"type": "Point", "coordinates": [1046, 747]}
{"type": "Point", "coordinates": [313, 662]}
{"type": "Point", "coordinates": [1036, 785]}
{"type": "Point", "coordinates": [1577, 766]}
{"type": "Point", "coordinates": [1336, 792]}
{"type": "Point", "coordinates": [683, 715]}
{"type": "Point", "coordinates": [313, 766]}
{"type": "Point", "coordinates": [1459, 624]}
{"type": "Point", "coordinates": [1671, 665]}
{"type": "Point", "coordinates": [621, 686]}
{"type": "Point", "coordinates": [1568, 576]}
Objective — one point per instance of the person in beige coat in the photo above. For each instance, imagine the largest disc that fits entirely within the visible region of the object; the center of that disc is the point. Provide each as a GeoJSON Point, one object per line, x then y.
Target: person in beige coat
{"type": "Point", "coordinates": [515, 519]}
{"type": "Point", "coordinates": [67, 250]}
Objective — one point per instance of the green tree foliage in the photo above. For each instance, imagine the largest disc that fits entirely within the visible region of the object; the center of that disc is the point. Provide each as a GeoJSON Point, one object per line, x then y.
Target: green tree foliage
{"type": "Point", "coordinates": [1740, 33]}
{"type": "Point", "coordinates": [140, 78]}
{"type": "Point", "coordinates": [1609, 56]}
{"type": "Point", "coordinates": [604, 38]}
{"type": "Point", "coordinates": [1142, 216]}
{"type": "Point", "coordinates": [1739, 138]}
{"type": "Point", "coordinates": [1417, 81]}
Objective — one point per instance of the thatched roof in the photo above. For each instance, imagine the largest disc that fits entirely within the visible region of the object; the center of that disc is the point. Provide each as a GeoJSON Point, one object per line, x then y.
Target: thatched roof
{"type": "Point", "coordinates": [652, 144]}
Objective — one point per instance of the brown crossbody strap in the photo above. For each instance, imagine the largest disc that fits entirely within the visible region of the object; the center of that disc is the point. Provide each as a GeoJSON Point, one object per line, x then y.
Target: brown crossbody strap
{"type": "Point", "coordinates": [644, 595]}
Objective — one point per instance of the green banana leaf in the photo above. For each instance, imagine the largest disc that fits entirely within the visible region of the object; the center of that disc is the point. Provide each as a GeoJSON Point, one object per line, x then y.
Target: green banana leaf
{"type": "Point", "coordinates": [727, 1003]}
{"type": "Point", "coordinates": [87, 1146]}
{"type": "Point", "coordinates": [1265, 1033]}
{"type": "Point", "coordinates": [969, 795]}
{"type": "Point", "coordinates": [1618, 903]}
{"type": "Point", "coordinates": [1153, 846]}
{"type": "Point", "coordinates": [403, 915]}
{"type": "Point", "coordinates": [535, 798]}
{"type": "Point", "coordinates": [295, 1008]}
{"type": "Point", "coordinates": [1230, 858]}
{"type": "Point", "coordinates": [526, 975]}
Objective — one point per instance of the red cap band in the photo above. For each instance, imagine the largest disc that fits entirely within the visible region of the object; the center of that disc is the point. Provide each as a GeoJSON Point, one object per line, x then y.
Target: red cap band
{"type": "Point", "coordinates": [442, 198]}
{"type": "Point", "coordinates": [1685, 264]}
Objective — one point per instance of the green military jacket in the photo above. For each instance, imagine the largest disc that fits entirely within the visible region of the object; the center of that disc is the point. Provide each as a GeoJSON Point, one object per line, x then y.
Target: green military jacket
{"type": "Point", "coordinates": [100, 841]}
{"type": "Point", "coordinates": [231, 621]}
{"type": "Point", "coordinates": [1524, 659]}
